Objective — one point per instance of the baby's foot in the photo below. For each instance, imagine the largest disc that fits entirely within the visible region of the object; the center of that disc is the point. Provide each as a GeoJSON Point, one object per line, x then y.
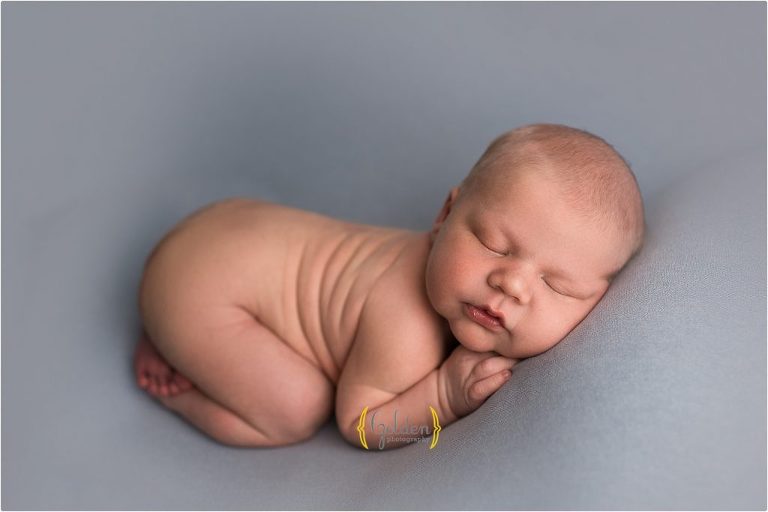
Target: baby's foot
{"type": "Point", "coordinates": [154, 374]}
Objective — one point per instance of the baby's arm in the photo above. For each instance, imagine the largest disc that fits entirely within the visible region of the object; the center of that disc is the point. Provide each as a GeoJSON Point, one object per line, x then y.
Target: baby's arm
{"type": "Point", "coordinates": [459, 386]}
{"type": "Point", "coordinates": [393, 371]}
{"type": "Point", "coordinates": [397, 366]}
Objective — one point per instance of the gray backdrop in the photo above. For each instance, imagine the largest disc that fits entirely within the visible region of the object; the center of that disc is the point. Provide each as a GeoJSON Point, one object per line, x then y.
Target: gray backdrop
{"type": "Point", "coordinates": [119, 119]}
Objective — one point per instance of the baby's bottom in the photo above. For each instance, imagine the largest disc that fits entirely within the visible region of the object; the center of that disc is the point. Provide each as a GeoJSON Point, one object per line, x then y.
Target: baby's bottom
{"type": "Point", "coordinates": [250, 388]}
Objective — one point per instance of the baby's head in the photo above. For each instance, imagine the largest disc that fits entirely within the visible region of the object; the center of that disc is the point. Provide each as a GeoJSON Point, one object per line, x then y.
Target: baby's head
{"type": "Point", "coordinates": [534, 235]}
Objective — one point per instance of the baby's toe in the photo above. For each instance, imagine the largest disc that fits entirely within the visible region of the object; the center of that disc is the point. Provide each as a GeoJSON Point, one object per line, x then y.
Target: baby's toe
{"type": "Point", "coordinates": [141, 373]}
{"type": "Point", "coordinates": [163, 388]}
{"type": "Point", "coordinates": [150, 388]}
{"type": "Point", "coordinates": [143, 380]}
{"type": "Point", "coordinates": [157, 384]}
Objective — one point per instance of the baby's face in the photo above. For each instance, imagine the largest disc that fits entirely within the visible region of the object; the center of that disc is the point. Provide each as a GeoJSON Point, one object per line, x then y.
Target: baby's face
{"type": "Point", "coordinates": [518, 249]}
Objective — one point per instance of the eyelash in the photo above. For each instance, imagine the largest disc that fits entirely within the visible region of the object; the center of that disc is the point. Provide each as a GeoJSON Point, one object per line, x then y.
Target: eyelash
{"type": "Point", "coordinates": [492, 250]}
{"type": "Point", "coordinates": [505, 254]}
{"type": "Point", "coordinates": [556, 291]}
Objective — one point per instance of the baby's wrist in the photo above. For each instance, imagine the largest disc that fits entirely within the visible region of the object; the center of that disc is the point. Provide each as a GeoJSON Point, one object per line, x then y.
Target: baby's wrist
{"type": "Point", "coordinates": [445, 411]}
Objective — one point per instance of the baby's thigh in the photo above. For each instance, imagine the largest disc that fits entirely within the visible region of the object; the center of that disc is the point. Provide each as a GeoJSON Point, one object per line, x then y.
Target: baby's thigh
{"type": "Point", "coordinates": [234, 359]}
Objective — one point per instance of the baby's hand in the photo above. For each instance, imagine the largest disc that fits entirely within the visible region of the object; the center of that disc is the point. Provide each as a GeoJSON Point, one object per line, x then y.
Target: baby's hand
{"type": "Point", "coordinates": [469, 378]}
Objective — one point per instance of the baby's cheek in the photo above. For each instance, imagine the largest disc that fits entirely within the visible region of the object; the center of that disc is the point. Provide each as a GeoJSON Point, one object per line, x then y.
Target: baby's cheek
{"type": "Point", "coordinates": [438, 277]}
{"type": "Point", "coordinates": [450, 277]}
{"type": "Point", "coordinates": [544, 331]}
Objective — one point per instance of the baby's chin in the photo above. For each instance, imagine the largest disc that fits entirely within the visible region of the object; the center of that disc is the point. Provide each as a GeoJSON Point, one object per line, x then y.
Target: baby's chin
{"type": "Point", "coordinates": [480, 343]}
{"type": "Point", "coordinates": [478, 340]}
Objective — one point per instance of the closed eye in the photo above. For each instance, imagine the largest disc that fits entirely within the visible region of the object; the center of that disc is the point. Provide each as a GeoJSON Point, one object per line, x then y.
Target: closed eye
{"type": "Point", "coordinates": [554, 289]}
{"type": "Point", "coordinates": [498, 253]}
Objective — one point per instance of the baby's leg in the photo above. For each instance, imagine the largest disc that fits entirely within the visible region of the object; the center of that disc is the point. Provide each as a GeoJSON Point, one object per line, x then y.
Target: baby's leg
{"type": "Point", "coordinates": [159, 379]}
{"type": "Point", "coordinates": [215, 420]}
{"type": "Point", "coordinates": [250, 388]}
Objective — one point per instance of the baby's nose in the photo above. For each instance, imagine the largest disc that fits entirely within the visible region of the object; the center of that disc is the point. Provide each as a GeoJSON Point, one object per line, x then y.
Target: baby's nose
{"type": "Point", "coordinates": [512, 283]}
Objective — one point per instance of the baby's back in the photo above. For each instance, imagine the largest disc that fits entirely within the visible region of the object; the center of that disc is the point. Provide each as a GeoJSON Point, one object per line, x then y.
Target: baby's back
{"type": "Point", "coordinates": [305, 276]}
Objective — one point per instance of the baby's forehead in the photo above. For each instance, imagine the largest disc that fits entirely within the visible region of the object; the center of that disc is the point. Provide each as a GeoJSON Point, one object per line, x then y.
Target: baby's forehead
{"type": "Point", "coordinates": [496, 207]}
{"type": "Point", "coordinates": [504, 191]}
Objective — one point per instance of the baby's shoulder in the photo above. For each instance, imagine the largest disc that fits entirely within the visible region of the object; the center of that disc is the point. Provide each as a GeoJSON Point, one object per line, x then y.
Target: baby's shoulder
{"type": "Point", "coordinates": [398, 315]}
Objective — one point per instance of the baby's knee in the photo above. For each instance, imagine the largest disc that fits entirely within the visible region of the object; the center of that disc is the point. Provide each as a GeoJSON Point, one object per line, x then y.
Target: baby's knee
{"type": "Point", "coordinates": [295, 421]}
{"type": "Point", "coordinates": [300, 419]}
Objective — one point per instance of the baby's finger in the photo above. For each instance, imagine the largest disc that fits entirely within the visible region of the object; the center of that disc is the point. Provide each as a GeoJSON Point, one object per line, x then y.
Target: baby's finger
{"type": "Point", "coordinates": [482, 389]}
{"type": "Point", "coordinates": [492, 365]}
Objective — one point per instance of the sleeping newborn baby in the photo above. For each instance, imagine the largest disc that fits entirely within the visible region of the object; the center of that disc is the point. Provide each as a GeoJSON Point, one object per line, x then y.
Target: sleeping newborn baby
{"type": "Point", "coordinates": [260, 321]}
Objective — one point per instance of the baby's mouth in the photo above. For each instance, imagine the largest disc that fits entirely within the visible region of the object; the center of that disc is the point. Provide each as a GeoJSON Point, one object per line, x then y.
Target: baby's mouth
{"type": "Point", "coordinates": [485, 317]}
{"type": "Point", "coordinates": [491, 312]}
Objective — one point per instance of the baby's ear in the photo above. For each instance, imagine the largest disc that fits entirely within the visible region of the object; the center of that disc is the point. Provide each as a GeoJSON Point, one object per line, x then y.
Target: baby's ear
{"type": "Point", "coordinates": [444, 211]}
